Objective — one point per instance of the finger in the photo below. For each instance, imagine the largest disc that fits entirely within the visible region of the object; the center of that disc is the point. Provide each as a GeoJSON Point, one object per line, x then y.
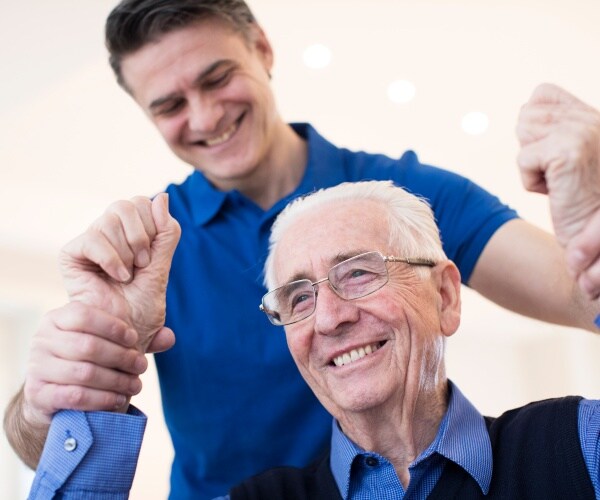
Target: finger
{"type": "Point", "coordinates": [143, 205]}
{"type": "Point", "coordinates": [168, 230]}
{"type": "Point", "coordinates": [135, 219]}
{"type": "Point", "coordinates": [72, 397]}
{"type": "Point", "coordinates": [78, 317]}
{"type": "Point", "coordinates": [550, 93]}
{"type": "Point", "coordinates": [84, 374]}
{"type": "Point", "coordinates": [77, 346]}
{"type": "Point", "coordinates": [93, 250]}
{"type": "Point", "coordinates": [111, 226]}
{"type": "Point", "coordinates": [536, 122]}
{"type": "Point", "coordinates": [583, 250]}
{"type": "Point", "coordinates": [539, 121]}
{"type": "Point", "coordinates": [589, 281]}
{"type": "Point", "coordinates": [532, 168]}
{"type": "Point", "coordinates": [162, 341]}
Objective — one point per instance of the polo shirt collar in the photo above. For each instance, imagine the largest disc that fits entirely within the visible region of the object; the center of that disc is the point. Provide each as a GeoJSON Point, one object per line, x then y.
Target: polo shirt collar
{"type": "Point", "coordinates": [325, 162]}
{"type": "Point", "coordinates": [462, 438]}
{"type": "Point", "coordinates": [205, 200]}
{"type": "Point", "coordinates": [324, 168]}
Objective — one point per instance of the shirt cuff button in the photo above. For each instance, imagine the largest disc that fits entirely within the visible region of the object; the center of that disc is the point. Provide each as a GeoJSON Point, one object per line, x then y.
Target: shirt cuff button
{"type": "Point", "coordinates": [70, 444]}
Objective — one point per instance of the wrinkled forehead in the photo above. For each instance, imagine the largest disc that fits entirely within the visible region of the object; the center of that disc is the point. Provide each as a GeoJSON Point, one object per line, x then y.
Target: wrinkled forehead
{"type": "Point", "coordinates": [323, 236]}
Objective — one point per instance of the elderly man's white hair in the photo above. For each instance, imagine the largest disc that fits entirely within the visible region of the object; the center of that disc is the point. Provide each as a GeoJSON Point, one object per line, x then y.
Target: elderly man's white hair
{"type": "Point", "coordinates": [413, 232]}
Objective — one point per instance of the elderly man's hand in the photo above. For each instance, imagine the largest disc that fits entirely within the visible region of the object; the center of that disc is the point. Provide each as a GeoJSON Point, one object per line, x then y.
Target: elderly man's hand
{"type": "Point", "coordinates": [121, 265]}
{"type": "Point", "coordinates": [560, 156]}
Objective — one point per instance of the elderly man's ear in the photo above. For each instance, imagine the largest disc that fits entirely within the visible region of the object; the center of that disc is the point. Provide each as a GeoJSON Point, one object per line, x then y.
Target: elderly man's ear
{"type": "Point", "coordinates": [449, 290]}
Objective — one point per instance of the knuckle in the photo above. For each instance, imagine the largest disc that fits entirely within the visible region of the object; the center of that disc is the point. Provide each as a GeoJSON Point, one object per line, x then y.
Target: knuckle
{"type": "Point", "coordinates": [78, 310]}
{"type": "Point", "coordinates": [119, 206]}
{"type": "Point", "coordinates": [106, 400]}
{"type": "Point", "coordinates": [110, 220]}
{"type": "Point", "coordinates": [84, 373]}
{"type": "Point", "coordinates": [48, 320]}
{"type": "Point", "coordinates": [87, 347]}
{"type": "Point", "coordinates": [141, 201]}
{"type": "Point", "coordinates": [140, 240]}
{"type": "Point", "coordinates": [129, 360]}
{"type": "Point", "coordinates": [32, 389]}
{"type": "Point", "coordinates": [74, 397]}
{"type": "Point", "coordinates": [176, 226]}
{"type": "Point", "coordinates": [128, 385]}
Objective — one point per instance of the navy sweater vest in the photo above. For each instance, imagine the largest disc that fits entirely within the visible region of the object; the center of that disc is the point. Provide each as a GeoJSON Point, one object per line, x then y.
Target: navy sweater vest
{"type": "Point", "coordinates": [537, 455]}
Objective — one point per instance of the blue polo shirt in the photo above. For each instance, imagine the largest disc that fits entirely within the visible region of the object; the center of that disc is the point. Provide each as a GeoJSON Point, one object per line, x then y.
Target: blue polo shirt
{"type": "Point", "coordinates": [233, 399]}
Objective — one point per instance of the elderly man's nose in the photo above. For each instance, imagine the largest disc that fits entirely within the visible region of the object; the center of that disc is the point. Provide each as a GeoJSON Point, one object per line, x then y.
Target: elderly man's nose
{"type": "Point", "coordinates": [331, 311]}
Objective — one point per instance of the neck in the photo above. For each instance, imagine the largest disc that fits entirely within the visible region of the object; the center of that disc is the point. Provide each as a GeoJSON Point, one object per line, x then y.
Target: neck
{"type": "Point", "coordinates": [280, 171]}
{"type": "Point", "coordinates": [403, 430]}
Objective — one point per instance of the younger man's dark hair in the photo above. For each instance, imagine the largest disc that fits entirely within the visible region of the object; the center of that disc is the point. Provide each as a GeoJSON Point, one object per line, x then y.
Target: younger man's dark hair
{"type": "Point", "coordinates": [134, 23]}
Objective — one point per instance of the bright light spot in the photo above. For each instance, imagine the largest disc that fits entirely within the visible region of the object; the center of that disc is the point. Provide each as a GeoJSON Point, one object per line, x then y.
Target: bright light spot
{"type": "Point", "coordinates": [317, 56]}
{"type": "Point", "coordinates": [401, 91]}
{"type": "Point", "coordinates": [475, 123]}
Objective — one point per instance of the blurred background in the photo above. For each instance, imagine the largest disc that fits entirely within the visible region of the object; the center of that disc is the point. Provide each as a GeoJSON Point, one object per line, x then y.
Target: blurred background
{"type": "Point", "coordinates": [443, 77]}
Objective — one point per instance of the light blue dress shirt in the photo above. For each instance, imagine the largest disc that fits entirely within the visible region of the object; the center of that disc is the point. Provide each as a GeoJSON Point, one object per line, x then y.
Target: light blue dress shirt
{"type": "Point", "coordinates": [462, 438]}
{"type": "Point", "coordinates": [90, 455]}
{"type": "Point", "coordinates": [94, 455]}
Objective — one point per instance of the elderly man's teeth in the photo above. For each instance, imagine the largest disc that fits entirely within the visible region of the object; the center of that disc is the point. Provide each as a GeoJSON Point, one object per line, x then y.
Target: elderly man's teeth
{"type": "Point", "coordinates": [223, 137]}
{"type": "Point", "coordinates": [354, 354]}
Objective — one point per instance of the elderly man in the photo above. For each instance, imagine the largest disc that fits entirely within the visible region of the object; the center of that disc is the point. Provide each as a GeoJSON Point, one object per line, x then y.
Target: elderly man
{"type": "Point", "coordinates": [367, 296]}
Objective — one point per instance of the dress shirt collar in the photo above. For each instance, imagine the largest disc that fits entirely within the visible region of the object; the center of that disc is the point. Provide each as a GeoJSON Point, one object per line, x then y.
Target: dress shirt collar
{"type": "Point", "coordinates": [462, 438]}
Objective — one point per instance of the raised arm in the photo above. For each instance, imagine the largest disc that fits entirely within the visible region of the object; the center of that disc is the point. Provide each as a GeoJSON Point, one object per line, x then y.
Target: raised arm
{"type": "Point", "coordinates": [116, 275]}
{"type": "Point", "coordinates": [560, 156]}
{"type": "Point", "coordinates": [554, 278]}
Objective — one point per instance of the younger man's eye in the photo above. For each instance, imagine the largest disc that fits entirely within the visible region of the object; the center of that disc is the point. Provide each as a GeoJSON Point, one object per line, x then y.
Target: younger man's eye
{"type": "Point", "coordinates": [218, 81]}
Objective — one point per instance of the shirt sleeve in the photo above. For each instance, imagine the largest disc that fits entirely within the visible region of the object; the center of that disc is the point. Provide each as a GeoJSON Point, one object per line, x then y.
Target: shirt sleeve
{"type": "Point", "coordinates": [89, 455]}
{"type": "Point", "coordinates": [466, 214]}
{"type": "Point", "coordinates": [589, 436]}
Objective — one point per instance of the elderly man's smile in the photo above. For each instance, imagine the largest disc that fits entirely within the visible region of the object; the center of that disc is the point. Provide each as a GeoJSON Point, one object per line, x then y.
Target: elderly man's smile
{"type": "Point", "coordinates": [355, 354]}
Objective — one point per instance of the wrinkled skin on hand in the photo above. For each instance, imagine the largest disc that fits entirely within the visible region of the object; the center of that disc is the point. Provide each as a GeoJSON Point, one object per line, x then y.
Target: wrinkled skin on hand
{"type": "Point", "coordinates": [560, 157]}
{"type": "Point", "coordinates": [93, 264]}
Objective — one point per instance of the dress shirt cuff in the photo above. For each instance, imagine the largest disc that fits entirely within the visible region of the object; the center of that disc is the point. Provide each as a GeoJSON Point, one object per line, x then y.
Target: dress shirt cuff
{"type": "Point", "coordinates": [90, 455]}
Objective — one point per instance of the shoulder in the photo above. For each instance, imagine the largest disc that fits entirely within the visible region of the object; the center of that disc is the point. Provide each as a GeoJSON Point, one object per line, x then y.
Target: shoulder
{"type": "Point", "coordinates": [541, 422]}
{"type": "Point", "coordinates": [545, 409]}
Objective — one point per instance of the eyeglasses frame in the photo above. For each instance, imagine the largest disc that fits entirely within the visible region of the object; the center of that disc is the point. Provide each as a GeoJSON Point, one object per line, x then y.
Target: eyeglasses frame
{"type": "Point", "coordinates": [386, 258]}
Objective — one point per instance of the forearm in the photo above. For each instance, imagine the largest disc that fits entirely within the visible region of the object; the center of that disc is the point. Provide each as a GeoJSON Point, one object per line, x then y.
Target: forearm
{"type": "Point", "coordinates": [531, 278]}
{"type": "Point", "coordinates": [26, 439]}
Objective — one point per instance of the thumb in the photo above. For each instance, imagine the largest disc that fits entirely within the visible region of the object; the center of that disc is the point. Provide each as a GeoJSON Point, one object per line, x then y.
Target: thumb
{"type": "Point", "coordinates": [168, 230]}
{"type": "Point", "coordinates": [162, 341]}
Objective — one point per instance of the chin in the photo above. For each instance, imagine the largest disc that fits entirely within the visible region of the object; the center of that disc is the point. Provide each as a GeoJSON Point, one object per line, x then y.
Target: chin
{"type": "Point", "coordinates": [356, 403]}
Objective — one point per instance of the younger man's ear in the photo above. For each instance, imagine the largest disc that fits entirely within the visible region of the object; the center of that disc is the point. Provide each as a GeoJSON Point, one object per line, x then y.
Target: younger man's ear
{"type": "Point", "coordinates": [263, 47]}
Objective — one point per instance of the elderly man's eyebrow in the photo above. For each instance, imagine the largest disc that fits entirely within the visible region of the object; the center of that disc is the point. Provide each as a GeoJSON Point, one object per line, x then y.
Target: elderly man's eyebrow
{"type": "Point", "coordinates": [288, 289]}
{"type": "Point", "coordinates": [339, 257]}
{"type": "Point", "coordinates": [156, 103]}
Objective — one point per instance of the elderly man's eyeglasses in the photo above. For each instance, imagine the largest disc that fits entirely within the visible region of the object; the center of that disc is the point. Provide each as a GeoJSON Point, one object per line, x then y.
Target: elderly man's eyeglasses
{"type": "Point", "coordinates": [351, 279]}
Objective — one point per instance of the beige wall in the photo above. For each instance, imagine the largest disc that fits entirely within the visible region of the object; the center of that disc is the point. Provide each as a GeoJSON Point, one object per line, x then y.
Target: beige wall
{"type": "Point", "coordinates": [71, 142]}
